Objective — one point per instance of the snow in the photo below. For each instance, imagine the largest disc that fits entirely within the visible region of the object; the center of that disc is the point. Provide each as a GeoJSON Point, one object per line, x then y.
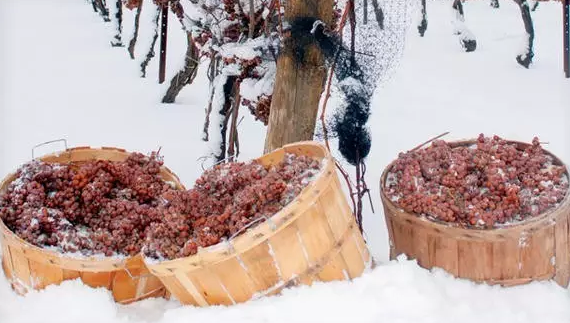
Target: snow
{"type": "Point", "coordinates": [63, 80]}
{"type": "Point", "coordinates": [252, 89]}
{"type": "Point", "coordinates": [460, 27]}
{"type": "Point", "coordinates": [247, 50]}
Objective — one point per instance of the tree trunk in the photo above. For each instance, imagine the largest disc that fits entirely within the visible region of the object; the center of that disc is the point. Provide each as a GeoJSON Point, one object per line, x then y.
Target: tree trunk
{"type": "Point", "coordinates": [298, 84]}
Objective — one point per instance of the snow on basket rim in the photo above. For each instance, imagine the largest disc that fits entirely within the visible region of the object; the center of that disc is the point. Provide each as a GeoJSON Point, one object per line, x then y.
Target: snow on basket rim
{"type": "Point", "coordinates": [259, 233]}
{"type": "Point", "coordinates": [76, 260]}
{"type": "Point", "coordinates": [531, 221]}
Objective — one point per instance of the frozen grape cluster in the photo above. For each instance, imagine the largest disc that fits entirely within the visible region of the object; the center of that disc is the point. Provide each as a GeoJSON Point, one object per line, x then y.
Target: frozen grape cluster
{"type": "Point", "coordinates": [224, 200]}
{"type": "Point", "coordinates": [123, 208]}
{"type": "Point", "coordinates": [486, 184]}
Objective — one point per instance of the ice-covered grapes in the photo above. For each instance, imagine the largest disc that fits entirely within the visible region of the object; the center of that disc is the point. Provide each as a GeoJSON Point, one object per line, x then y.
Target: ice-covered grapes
{"type": "Point", "coordinates": [123, 208]}
{"type": "Point", "coordinates": [488, 183]}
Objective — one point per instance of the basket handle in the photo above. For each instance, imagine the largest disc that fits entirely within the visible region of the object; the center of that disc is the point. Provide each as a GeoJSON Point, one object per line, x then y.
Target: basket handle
{"type": "Point", "coordinates": [48, 142]}
{"type": "Point", "coordinates": [136, 277]}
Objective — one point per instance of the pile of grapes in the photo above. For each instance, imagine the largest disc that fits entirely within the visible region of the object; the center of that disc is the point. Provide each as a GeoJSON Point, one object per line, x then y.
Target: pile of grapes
{"type": "Point", "coordinates": [484, 185]}
{"type": "Point", "coordinates": [123, 208]}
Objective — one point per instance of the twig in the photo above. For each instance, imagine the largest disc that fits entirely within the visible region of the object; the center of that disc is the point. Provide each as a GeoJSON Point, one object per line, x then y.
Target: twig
{"type": "Point", "coordinates": [358, 192]}
{"type": "Point", "coordinates": [350, 189]}
{"type": "Point", "coordinates": [232, 141]}
{"type": "Point", "coordinates": [352, 16]}
{"type": "Point", "coordinates": [365, 54]}
{"type": "Point", "coordinates": [432, 139]}
{"type": "Point", "coordinates": [237, 141]}
{"type": "Point", "coordinates": [251, 19]}
{"type": "Point", "coordinates": [206, 135]}
{"type": "Point", "coordinates": [366, 190]}
{"type": "Point", "coordinates": [324, 109]}
{"type": "Point", "coordinates": [202, 160]}
{"type": "Point", "coordinates": [343, 20]}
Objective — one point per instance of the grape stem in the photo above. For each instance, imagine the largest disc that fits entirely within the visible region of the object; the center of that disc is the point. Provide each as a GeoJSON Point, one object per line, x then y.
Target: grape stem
{"type": "Point", "coordinates": [432, 139]}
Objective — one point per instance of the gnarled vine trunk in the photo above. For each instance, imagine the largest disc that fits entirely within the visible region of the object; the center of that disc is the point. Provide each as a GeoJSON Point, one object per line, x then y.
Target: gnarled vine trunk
{"type": "Point", "coordinates": [186, 75]}
{"type": "Point", "coordinates": [133, 41]}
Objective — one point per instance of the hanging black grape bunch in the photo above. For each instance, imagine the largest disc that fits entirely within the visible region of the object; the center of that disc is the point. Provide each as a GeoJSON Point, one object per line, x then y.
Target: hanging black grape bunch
{"type": "Point", "coordinates": [349, 124]}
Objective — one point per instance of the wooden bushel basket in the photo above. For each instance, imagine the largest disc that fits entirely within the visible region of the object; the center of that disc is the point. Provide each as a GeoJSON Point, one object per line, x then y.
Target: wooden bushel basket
{"type": "Point", "coordinates": [28, 267]}
{"type": "Point", "coordinates": [515, 254]}
{"type": "Point", "coordinates": [314, 238]}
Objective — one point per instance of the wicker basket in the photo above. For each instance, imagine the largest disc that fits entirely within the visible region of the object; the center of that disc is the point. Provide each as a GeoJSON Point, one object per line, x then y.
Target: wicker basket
{"type": "Point", "coordinates": [536, 249]}
{"type": "Point", "coordinates": [29, 267]}
{"type": "Point", "coordinates": [314, 238]}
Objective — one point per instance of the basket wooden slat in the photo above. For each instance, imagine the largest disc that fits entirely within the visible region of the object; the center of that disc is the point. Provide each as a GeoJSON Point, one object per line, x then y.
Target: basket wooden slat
{"type": "Point", "coordinates": [28, 267]}
{"type": "Point", "coordinates": [314, 238]}
{"type": "Point", "coordinates": [536, 249]}
{"type": "Point", "coordinates": [562, 250]}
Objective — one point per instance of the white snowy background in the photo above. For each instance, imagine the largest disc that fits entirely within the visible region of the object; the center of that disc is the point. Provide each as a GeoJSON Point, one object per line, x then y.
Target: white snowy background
{"type": "Point", "coordinates": [59, 78]}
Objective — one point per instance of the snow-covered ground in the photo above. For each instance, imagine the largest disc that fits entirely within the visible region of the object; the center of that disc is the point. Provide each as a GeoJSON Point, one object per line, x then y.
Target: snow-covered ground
{"type": "Point", "coordinates": [59, 78]}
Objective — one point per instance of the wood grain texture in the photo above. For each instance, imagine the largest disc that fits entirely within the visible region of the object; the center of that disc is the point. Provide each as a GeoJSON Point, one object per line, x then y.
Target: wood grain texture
{"type": "Point", "coordinates": [562, 251]}
{"type": "Point", "coordinates": [314, 238]}
{"type": "Point", "coordinates": [299, 81]}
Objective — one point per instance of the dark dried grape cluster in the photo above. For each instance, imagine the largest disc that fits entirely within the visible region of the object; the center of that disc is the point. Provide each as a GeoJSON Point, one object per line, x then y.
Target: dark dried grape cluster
{"type": "Point", "coordinates": [260, 109]}
{"type": "Point", "coordinates": [224, 200]}
{"type": "Point", "coordinates": [121, 208]}
{"type": "Point", "coordinates": [489, 183]}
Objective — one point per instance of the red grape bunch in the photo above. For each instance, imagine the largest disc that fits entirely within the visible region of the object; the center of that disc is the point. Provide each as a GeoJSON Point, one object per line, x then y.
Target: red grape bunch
{"type": "Point", "coordinates": [488, 183]}
{"type": "Point", "coordinates": [225, 199]}
{"type": "Point", "coordinates": [123, 208]}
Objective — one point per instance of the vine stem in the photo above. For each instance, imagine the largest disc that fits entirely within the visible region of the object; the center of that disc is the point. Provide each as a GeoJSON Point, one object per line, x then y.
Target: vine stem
{"type": "Point", "coordinates": [329, 80]}
{"type": "Point", "coordinates": [432, 139]}
{"type": "Point", "coordinates": [348, 183]}
{"type": "Point", "coordinates": [324, 109]}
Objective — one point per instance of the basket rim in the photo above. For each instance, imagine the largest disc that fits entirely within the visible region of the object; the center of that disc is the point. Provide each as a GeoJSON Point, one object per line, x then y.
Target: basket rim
{"type": "Point", "coordinates": [113, 262]}
{"type": "Point", "coordinates": [529, 222]}
{"type": "Point", "coordinates": [260, 233]}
